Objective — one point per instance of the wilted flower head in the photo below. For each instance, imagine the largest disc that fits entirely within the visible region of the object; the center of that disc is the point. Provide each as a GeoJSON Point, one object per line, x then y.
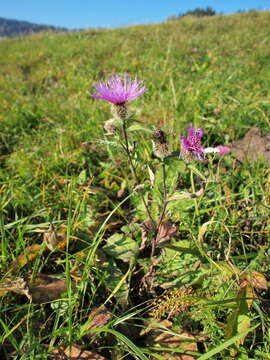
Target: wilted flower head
{"type": "Point", "coordinates": [191, 145]}
{"type": "Point", "coordinates": [161, 148]}
{"type": "Point", "coordinates": [119, 91]}
{"type": "Point", "coordinates": [110, 127]}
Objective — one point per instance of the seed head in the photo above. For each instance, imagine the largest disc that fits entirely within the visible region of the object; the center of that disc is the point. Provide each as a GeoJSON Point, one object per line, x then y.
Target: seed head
{"type": "Point", "coordinates": [110, 127]}
{"type": "Point", "coordinates": [161, 148]}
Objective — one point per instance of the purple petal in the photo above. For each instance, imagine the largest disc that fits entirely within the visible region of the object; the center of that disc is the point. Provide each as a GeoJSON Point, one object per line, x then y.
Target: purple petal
{"type": "Point", "coordinates": [117, 90]}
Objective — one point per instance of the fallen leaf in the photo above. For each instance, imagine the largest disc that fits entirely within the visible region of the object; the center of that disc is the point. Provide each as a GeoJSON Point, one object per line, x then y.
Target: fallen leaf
{"type": "Point", "coordinates": [155, 324]}
{"type": "Point", "coordinates": [160, 337]}
{"type": "Point", "coordinates": [98, 317]}
{"type": "Point", "coordinates": [52, 239]}
{"type": "Point", "coordinates": [74, 352]}
{"type": "Point", "coordinates": [177, 341]}
{"type": "Point", "coordinates": [255, 279]}
{"type": "Point", "coordinates": [19, 286]}
{"type": "Point", "coordinates": [44, 288]}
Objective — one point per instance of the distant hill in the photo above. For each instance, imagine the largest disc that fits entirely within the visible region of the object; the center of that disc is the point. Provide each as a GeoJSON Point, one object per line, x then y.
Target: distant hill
{"type": "Point", "coordinates": [10, 28]}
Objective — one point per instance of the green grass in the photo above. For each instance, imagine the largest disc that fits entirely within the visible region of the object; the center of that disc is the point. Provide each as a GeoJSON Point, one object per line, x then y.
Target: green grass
{"type": "Point", "coordinates": [54, 168]}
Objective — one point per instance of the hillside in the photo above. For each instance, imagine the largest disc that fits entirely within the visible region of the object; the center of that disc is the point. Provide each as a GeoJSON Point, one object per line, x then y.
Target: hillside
{"type": "Point", "coordinates": [10, 28]}
{"type": "Point", "coordinates": [75, 233]}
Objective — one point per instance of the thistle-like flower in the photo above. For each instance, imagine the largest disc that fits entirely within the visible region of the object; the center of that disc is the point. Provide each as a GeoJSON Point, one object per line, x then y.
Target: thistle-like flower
{"type": "Point", "coordinates": [191, 145]}
{"type": "Point", "coordinates": [119, 91]}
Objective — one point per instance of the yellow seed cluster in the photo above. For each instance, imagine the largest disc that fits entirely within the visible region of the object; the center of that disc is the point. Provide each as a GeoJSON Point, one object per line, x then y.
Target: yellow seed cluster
{"type": "Point", "coordinates": [173, 302]}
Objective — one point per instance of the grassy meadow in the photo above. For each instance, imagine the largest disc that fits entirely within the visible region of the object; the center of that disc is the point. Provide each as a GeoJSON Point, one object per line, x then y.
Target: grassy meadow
{"type": "Point", "coordinates": [74, 235]}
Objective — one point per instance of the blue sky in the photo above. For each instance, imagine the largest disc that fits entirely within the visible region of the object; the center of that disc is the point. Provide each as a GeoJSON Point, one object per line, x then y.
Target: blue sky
{"type": "Point", "coordinates": [113, 13]}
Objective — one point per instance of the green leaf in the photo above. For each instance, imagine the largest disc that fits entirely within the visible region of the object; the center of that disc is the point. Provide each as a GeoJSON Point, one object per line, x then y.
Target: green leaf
{"type": "Point", "coordinates": [121, 247]}
{"type": "Point", "coordinates": [139, 127]}
{"type": "Point", "coordinates": [238, 321]}
{"type": "Point", "coordinates": [197, 172]}
{"type": "Point", "coordinates": [115, 282]}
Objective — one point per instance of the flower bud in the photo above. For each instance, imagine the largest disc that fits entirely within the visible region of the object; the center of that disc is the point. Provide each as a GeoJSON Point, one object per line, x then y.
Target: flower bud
{"type": "Point", "coordinates": [120, 111]}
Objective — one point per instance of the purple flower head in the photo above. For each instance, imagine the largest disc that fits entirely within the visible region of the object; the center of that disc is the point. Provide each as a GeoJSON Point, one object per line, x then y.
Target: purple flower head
{"type": "Point", "coordinates": [191, 145]}
{"type": "Point", "coordinates": [119, 91]}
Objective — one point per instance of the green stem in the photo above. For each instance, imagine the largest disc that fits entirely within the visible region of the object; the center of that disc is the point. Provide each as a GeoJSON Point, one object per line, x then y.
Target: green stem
{"type": "Point", "coordinates": [133, 169]}
{"type": "Point", "coordinates": [193, 190]}
{"type": "Point", "coordinates": [154, 244]}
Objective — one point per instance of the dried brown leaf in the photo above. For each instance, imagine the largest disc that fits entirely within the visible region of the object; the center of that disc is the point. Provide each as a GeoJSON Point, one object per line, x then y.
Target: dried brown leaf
{"type": "Point", "coordinates": [42, 289]}
{"type": "Point", "coordinates": [19, 286]}
{"type": "Point", "coordinates": [183, 341]}
{"type": "Point", "coordinates": [255, 279]}
{"type": "Point", "coordinates": [46, 288]}
{"type": "Point", "coordinates": [30, 253]}
{"type": "Point", "coordinates": [166, 231]}
{"type": "Point", "coordinates": [74, 352]}
{"type": "Point", "coordinates": [99, 317]}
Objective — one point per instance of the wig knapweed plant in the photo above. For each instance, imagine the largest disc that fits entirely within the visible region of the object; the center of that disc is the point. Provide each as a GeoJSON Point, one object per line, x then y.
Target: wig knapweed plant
{"type": "Point", "coordinates": [119, 91]}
